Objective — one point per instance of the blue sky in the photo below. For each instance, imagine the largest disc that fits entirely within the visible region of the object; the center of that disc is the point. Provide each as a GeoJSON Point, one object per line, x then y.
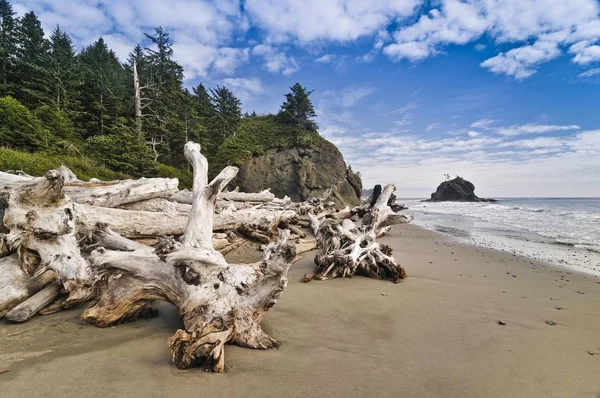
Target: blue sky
{"type": "Point", "coordinates": [505, 93]}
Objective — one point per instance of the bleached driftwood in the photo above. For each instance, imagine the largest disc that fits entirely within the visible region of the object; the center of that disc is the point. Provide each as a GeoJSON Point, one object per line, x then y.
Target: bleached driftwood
{"type": "Point", "coordinates": [158, 205]}
{"type": "Point", "coordinates": [16, 286]}
{"type": "Point", "coordinates": [98, 193]}
{"type": "Point", "coordinates": [118, 193]}
{"type": "Point", "coordinates": [347, 249]}
{"type": "Point", "coordinates": [218, 302]}
{"type": "Point", "coordinates": [186, 196]}
{"type": "Point", "coordinates": [41, 221]}
{"type": "Point", "coordinates": [138, 224]}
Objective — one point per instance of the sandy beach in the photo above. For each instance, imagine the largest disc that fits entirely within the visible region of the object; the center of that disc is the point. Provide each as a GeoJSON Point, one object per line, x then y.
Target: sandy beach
{"type": "Point", "coordinates": [436, 334]}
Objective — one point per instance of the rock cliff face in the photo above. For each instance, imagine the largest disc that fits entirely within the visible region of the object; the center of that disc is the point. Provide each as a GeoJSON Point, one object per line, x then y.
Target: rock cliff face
{"type": "Point", "coordinates": [456, 190]}
{"type": "Point", "coordinates": [302, 173]}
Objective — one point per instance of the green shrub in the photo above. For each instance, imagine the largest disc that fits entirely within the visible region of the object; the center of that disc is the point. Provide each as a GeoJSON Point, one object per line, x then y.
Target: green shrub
{"type": "Point", "coordinates": [121, 150]}
{"type": "Point", "coordinates": [37, 164]}
{"type": "Point", "coordinates": [256, 135]}
{"type": "Point", "coordinates": [19, 128]}
{"type": "Point", "coordinates": [185, 177]}
{"type": "Point", "coordinates": [56, 122]}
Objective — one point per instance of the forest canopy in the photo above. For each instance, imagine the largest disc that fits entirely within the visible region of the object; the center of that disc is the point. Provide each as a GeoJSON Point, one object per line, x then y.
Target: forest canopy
{"type": "Point", "coordinates": [106, 118]}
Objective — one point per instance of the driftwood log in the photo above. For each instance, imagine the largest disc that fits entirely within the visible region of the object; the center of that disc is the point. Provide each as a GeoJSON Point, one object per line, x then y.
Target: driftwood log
{"type": "Point", "coordinates": [347, 249]}
{"type": "Point", "coordinates": [218, 302]}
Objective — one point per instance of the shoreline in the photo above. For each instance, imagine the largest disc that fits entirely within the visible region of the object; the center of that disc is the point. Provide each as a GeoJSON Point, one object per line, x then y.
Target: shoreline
{"type": "Point", "coordinates": [434, 334]}
{"type": "Point", "coordinates": [506, 238]}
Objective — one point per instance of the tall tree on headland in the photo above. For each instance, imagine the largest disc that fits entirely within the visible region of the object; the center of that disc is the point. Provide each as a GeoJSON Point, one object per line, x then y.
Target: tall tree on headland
{"type": "Point", "coordinates": [297, 109]}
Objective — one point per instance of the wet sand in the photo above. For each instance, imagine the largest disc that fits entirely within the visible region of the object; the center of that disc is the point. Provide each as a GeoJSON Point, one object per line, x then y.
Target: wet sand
{"type": "Point", "coordinates": [436, 334]}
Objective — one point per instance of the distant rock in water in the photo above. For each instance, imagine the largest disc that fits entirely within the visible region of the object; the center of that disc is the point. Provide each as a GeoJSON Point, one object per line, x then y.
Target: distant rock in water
{"type": "Point", "coordinates": [456, 190]}
{"type": "Point", "coordinates": [302, 173]}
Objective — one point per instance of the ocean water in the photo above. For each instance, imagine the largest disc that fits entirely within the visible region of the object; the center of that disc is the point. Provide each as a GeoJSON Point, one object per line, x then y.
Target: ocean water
{"type": "Point", "coordinates": [564, 231]}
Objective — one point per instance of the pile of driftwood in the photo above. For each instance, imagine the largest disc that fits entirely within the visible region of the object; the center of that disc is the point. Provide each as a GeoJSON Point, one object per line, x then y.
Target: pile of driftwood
{"type": "Point", "coordinates": [121, 245]}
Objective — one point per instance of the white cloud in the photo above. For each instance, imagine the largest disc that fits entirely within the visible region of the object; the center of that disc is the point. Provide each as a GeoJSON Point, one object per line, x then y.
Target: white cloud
{"type": "Point", "coordinates": [483, 123]}
{"type": "Point", "coordinates": [432, 126]}
{"type": "Point", "coordinates": [537, 31]}
{"type": "Point", "coordinates": [326, 20]}
{"type": "Point", "coordinates": [585, 52]}
{"type": "Point", "coordinates": [276, 61]}
{"type": "Point", "coordinates": [325, 59]}
{"type": "Point", "coordinates": [533, 128]}
{"type": "Point", "coordinates": [550, 24]}
{"type": "Point", "coordinates": [244, 88]}
{"type": "Point", "coordinates": [519, 168]}
{"type": "Point", "coordinates": [197, 59]}
{"type": "Point", "coordinates": [202, 30]}
{"type": "Point", "coordinates": [590, 73]}
{"type": "Point", "coordinates": [352, 96]}
{"type": "Point", "coordinates": [480, 47]}
{"type": "Point", "coordinates": [521, 62]}
{"type": "Point", "coordinates": [473, 134]}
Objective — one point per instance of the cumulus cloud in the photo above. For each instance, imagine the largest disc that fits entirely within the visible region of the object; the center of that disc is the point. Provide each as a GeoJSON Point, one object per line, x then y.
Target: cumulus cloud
{"type": "Point", "coordinates": [483, 123]}
{"type": "Point", "coordinates": [533, 128]}
{"type": "Point", "coordinates": [590, 73]}
{"type": "Point", "coordinates": [244, 88]}
{"type": "Point", "coordinates": [276, 61]}
{"type": "Point", "coordinates": [585, 52]}
{"type": "Point", "coordinates": [325, 59]}
{"type": "Point", "coordinates": [499, 165]}
{"type": "Point", "coordinates": [537, 30]}
{"type": "Point", "coordinates": [326, 20]}
{"type": "Point", "coordinates": [202, 30]}
{"type": "Point", "coordinates": [552, 26]}
{"type": "Point", "coordinates": [352, 96]}
{"type": "Point", "coordinates": [521, 62]}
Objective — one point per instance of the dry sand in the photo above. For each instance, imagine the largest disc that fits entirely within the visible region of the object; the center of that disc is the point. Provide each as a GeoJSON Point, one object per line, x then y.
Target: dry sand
{"type": "Point", "coordinates": [436, 334]}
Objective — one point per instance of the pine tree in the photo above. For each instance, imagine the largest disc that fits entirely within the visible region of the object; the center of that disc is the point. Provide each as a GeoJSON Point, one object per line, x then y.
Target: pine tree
{"type": "Point", "coordinates": [32, 48]}
{"type": "Point", "coordinates": [103, 91]}
{"type": "Point", "coordinates": [162, 122]}
{"type": "Point", "coordinates": [7, 47]}
{"type": "Point", "coordinates": [202, 101]}
{"type": "Point", "coordinates": [228, 112]}
{"type": "Point", "coordinates": [297, 109]}
{"type": "Point", "coordinates": [58, 75]}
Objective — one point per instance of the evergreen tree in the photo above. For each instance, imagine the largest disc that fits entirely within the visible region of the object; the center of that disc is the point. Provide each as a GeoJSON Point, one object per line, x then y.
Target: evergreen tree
{"type": "Point", "coordinates": [228, 112]}
{"type": "Point", "coordinates": [297, 109]}
{"type": "Point", "coordinates": [7, 47]}
{"type": "Point", "coordinates": [164, 87]}
{"type": "Point", "coordinates": [65, 70]}
{"type": "Point", "coordinates": [58, 76]}
{"type": "Point", "coordinates": [104, 90]}
{"type": "Point", "coordinates": [32, 49]}
{"type": "Point", "coordinates": [202, 101]}
{"type": "Point", "coordinates": [19, 128]}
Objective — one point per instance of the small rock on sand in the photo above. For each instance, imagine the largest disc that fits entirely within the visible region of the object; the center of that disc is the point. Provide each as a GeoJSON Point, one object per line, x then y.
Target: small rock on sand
{"type": "Point", "coordinates": [551, 323]}
{"type": "Point", "coordinates": [501, 323]}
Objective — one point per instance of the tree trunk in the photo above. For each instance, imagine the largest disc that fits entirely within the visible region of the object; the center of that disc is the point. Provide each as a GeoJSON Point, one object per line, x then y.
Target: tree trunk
{"type": "Point", "coordinates": [137, 99]}
{"type": "Point", "coordinates": [41, 221]}
{"type": "Point", "coordinates": [218, 302]}
{"type": "Point", "coordinates": [186, 196]}
{"type": "Point", "coordinates": [141, 224]}
{"type": "Point", "coordinates": [102, 193]}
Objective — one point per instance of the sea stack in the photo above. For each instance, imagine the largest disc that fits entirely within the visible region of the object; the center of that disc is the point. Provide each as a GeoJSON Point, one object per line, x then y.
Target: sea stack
{"type": "Point", "coordinates": [456, 190]}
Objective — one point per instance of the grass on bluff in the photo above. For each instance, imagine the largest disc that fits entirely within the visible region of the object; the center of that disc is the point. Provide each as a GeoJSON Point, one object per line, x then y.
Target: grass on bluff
{"type": "Point", "coordinates": [36, 164]}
